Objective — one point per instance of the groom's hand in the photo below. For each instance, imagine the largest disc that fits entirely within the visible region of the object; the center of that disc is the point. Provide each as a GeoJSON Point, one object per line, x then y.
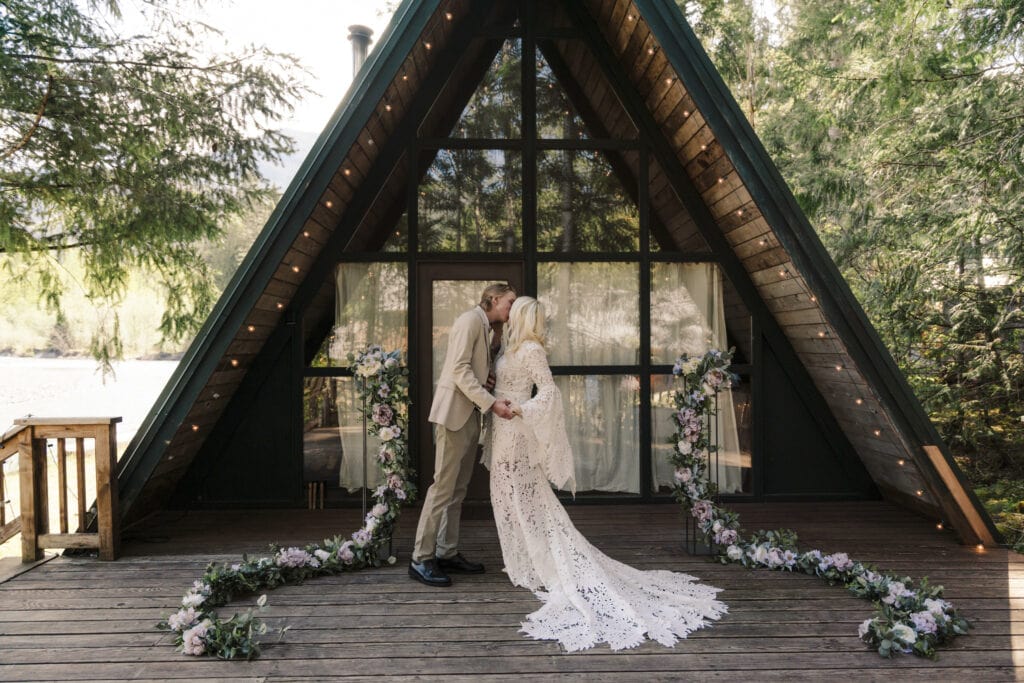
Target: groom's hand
{"type": "Point", "coordinates": [503, 408]}
{"type": "Point", "coordinates": [489, 384]}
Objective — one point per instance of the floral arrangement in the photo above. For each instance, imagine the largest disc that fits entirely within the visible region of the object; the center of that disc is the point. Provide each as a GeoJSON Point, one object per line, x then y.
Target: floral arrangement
{"type": "Point", "coordinates": [383, 384]}
{"type": "Point", "coordinates": [907, 618]}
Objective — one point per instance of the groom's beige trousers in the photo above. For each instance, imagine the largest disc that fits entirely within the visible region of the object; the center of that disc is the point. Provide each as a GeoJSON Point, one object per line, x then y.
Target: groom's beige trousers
{"type": "Point", "coordinates": [437, 534]}
{"type": "Point", "coordinates": [455, 411]}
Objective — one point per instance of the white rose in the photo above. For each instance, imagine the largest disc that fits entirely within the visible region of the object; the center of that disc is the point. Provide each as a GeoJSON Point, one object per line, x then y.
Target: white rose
{"type": "Point", "coordinates": [386, 434]}
{"type": "Point", "coordinates": [862, 630]}
{"type": "Point", "coordinates": [685, 447]}
{"type": "Point", "coordinates": [904, 634]}
{"type": "Point", "coordinates": [734, 552]}
{"type": "Point", "coordinates": [717, 526]}
{"type": "Point", "coordinates": [761, 554]}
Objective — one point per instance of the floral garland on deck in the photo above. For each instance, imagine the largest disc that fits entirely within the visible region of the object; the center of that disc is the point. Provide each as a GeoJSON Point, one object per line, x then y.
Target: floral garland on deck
{"type": "Point", "coordinates": [383, 385]}
{"type": "Point", "coordinates": [906, 619]}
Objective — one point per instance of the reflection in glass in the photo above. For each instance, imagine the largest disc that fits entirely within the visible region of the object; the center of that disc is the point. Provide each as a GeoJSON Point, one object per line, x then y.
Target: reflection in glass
{"type": "Point", "coordinates": [582, 204]}
{"type": "Point", "coordinates": [451, 298]}
{"type": "Point", "coordinates": [731, 465]}
{"type": "Point", "coordinates": [332, 435]}
{"type": "Point", "coordinates": [495, 110]}
{"type": "Point", "coordinates": [556, 115]}
{"type": "Point", "coordinates": [687, 312]}
{"type": "Point", "coordinates": [370, 308]}
{"type": "Point", "coordinates": [470, 201]}
{"type": "Point", "coordinates": [592, 310]}
{"type": "Point", "coordinates": [398, 238]}
{"type": "Point", "coordinates": [601, 417]}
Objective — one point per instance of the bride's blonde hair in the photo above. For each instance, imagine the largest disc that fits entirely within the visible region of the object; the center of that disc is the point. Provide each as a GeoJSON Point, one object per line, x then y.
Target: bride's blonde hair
{"type": "Point", "coordinates": [526, 322]}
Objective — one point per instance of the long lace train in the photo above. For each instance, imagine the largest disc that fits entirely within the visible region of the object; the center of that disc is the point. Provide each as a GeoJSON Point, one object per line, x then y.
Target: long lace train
{"type": "Point", "coordinates": [588, 597]}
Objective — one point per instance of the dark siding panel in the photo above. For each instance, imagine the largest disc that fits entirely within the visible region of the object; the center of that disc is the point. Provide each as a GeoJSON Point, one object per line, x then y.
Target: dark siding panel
{"type": "Point", "coordinates": [801, 459]}
{"type": "Point", "coordinates": [251, 459]}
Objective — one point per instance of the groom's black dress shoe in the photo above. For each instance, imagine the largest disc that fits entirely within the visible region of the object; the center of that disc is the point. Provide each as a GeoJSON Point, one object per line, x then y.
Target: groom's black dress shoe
{"type": "Point", "coordinates": [459, 565]}
{"type": "Point", "coordinates": [429, 573]}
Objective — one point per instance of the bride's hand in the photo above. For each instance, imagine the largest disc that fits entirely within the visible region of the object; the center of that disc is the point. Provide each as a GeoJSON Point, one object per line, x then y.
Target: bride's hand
{"type": "Point", "coordinates": [516, 409]}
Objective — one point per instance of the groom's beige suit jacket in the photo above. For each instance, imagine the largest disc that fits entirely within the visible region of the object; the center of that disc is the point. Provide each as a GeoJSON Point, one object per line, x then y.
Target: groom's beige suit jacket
{"type": "Point", "coordinates": [466, 365]}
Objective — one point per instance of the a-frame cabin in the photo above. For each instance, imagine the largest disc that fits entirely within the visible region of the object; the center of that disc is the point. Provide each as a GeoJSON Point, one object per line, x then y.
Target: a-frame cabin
{"type": "Point", "coordinates": [588, 152]}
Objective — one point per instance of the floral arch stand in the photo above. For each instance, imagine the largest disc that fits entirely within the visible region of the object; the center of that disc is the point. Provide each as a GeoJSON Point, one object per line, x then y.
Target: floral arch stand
{"type": "Point", "coordinates": [906, 619]}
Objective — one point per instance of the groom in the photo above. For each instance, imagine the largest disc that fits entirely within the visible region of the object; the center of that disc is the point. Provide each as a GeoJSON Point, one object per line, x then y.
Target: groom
{"type": "Point", "coordinates": [462, 390]}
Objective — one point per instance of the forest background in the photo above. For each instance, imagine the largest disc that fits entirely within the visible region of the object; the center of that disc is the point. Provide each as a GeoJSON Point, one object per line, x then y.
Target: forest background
{"type": "Point", "coordinates": [899, 127]}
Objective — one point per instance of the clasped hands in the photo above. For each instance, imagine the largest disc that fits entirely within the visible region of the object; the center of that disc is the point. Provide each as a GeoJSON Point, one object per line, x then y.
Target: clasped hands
{"type": "Point", "coordinates": [506, 409]}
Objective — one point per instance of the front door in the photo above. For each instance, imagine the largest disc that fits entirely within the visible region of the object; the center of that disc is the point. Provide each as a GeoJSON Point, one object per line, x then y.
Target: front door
{"type": "Point", "coordinates": [444, 291]}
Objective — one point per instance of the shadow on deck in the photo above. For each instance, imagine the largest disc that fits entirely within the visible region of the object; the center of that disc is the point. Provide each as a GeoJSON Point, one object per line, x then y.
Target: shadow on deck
{"type": "Point", "coordinates": [80, 619]}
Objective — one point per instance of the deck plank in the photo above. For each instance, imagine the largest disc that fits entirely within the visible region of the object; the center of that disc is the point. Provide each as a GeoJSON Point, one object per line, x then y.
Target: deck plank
{"type": "Point", "coordinates": [75, 618]}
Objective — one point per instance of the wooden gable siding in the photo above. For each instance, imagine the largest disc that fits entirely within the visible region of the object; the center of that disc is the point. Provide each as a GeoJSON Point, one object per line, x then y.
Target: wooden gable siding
{"type": "Point", "coordinates": [895, 462]}
{"type": "Point", "coordinates": [275, 299]}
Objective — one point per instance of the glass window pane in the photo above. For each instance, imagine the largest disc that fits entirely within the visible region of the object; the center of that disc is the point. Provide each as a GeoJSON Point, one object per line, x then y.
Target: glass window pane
{"type": "Point", "coordinates": [371, 308]}
{"type": "Point", "coordinates": [494, 110]}
{"type": "Point", "coordinates": [731, 466]}
{"type": "Point", "coordinates": [556, 115]}
{"type": "Point", "coordinates": [601, 418]}
{"type": "Point", "coordinates": [583, 204]}
{"type": "Point", "coordinates": [570, 79]}
{"type": "Point", "coordinates": [687, 311]}
{"type": "Point", "coordinates": [332, 436]}
{"type": "Point", "coordinates": [450, 299]}
{"type": "Point", "coordinates": [471, 201]}
{"type": "Point", "coordinates": [593, 312]}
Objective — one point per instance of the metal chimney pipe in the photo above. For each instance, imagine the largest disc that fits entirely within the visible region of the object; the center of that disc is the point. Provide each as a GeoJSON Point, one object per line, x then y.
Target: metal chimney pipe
{"type": "Point", "coordinates": [361, 39]}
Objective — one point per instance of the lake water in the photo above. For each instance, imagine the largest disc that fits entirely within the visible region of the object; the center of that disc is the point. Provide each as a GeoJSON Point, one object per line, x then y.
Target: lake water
{"type": "Point", "coordinates": [75, 387]}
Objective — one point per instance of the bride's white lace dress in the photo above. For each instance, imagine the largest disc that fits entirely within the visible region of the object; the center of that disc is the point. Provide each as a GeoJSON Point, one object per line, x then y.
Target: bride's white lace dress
{"type": "Point", "coordinates": [588, 597]}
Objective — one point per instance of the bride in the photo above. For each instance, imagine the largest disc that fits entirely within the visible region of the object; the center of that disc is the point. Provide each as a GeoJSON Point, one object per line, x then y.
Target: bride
{"type": "Point", "coordinates": [588, 597]}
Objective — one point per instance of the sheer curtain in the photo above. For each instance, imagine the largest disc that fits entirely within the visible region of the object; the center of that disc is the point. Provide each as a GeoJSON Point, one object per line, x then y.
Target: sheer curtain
{"type": "Point", "coordinates": [593, 319]}
{"type": "Point", "coordinates": [370, 308]}
{"type": "Point", "coordinates": [688, 316]}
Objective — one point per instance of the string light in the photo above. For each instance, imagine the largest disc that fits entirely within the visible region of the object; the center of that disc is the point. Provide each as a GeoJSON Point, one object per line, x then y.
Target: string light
{"type": "Point", "coordinates": [329, 204]}
{"type": "Point", "coordinates": [650, 50]}
{"type": "Point", "coordinates": [305, 233]}
{"type": "Point", "coordinates": [295, 269]}
{"type": "Point", "coordinates": [821, 333]}
{"type": "Point", "coordinates": [703, 148]}
{"type": "Point", "coordinates": [251, 328]}
{"type": "Point", "coordinates": [631, 17]}
{"type": "Point", "coordinates": [739, 212]}
{"type": "Point", "coordinates": [783, 272]}
{"type": "Point", "coordinates": [939, 526]}
{"type": "Point", "coordinates": [449, 16]}
{"type": "Point", "coordinates": [405, 77]}
{"type": "Point", "coordinates": [839, 368]}
{"type": "Point", "coordinates": [686, 113]}
{"type": "Point", "coordinates": [901, 462]}
{"type": "Point", "coordinates": [428, 46]}
{"type": "Point", "coordinates": [859, 401]}
{"type": "Point", "coordinates": [347, 171]}
{"type": "Point", "coordinates": [721, 180]}
{"type": "Point", "coordinates": [280, 305]}
{"type": "Point", "coordinates": [668, 81]}
{"type": "Point", "coordinates": [878, 432]}
{"type": "Point", "coordinates": [387, 107]}
{"type": "Point", "coordinates": [234, 362]}
{"type": "Point", "coordinates": [980, 547]}
{"type": "Point", "coordinates": [919, 492]}
{"type": "Point", "coordinates": [195, 428]}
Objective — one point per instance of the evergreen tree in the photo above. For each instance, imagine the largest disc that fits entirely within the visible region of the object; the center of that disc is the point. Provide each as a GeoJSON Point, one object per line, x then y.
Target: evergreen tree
{"type": "Point", "coordinates": [129, 149]}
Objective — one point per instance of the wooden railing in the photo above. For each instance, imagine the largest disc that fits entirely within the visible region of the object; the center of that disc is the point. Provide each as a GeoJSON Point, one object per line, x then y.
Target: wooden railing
{"type": "Point", "coordinates": [29, 442]}
{"type": "Point", "coordinates": [8, 449]}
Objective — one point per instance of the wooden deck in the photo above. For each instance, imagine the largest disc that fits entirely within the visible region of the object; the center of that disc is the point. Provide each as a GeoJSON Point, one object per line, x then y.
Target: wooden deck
{"type": "Point", "coordinates": [81, 619]}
